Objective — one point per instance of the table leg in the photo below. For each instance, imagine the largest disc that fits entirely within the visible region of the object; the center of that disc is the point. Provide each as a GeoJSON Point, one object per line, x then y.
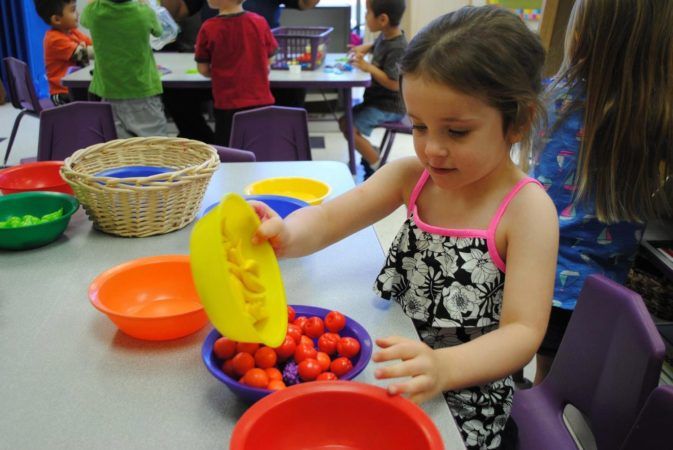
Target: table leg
{"type": "Point", "coordinates": [348, 106]}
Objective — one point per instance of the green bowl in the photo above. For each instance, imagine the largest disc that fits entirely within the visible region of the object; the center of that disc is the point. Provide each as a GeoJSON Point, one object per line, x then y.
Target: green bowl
{"type": "Point", "coordinates": [36, 204]}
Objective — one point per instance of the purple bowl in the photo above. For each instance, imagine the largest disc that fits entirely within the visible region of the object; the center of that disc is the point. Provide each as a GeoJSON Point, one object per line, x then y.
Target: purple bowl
{"type": "Point", "coordinates": [251, 394]}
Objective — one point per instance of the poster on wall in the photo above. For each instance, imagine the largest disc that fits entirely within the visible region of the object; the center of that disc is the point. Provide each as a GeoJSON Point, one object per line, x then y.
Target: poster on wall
{"type": "Point", "coordinates": [530, 11]}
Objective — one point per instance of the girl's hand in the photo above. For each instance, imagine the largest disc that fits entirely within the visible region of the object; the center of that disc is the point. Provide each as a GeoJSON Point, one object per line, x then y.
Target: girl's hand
{"type": "Point", "coordinates": [418, 361]}
{"type": "Point", "coordinates": [272, 228]}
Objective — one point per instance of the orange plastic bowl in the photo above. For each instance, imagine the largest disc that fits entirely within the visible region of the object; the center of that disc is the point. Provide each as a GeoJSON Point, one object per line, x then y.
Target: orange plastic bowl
{"type": "Point", "coordinates": [344, 415]}
{"type": "Point", "coordinates": [150, 298]}
{"type": "Point", "coordinates": [37, 176]}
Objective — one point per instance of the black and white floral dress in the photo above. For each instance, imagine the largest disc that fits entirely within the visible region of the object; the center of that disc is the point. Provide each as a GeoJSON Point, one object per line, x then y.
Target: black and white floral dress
{"type": "Point", "coordinates": [450, 282]}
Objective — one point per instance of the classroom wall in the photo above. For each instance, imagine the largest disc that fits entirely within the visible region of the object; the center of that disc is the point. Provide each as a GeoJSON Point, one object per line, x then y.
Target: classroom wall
{"type": "Point", "coordinates": [421, 12]}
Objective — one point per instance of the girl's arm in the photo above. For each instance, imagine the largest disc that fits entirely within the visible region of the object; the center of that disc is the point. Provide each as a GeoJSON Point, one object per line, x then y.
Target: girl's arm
{"type": "Point", "coordinates": [204, 69]}
{"type": "Point", "coordinates": [308, 230]}
{"type": "Point", "coordinates": [532, 245]}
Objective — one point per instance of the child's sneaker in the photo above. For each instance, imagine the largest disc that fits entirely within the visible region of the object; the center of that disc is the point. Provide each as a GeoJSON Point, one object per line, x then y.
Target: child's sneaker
{"type": "Point", "coordinates": [371, 168]}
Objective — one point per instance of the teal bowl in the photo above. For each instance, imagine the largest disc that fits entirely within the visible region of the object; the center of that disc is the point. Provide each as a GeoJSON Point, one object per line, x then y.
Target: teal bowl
{"type": "Point", "coordinates": [36, 204]}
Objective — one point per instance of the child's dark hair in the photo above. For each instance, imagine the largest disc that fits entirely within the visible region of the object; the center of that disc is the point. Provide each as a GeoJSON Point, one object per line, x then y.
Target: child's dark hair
{"type": "Point", "coordinates": [47, 8]}
{"type": "Point", "coordinates": [394, 9]}
{"type": "Point", "coordinates": [486, 52]}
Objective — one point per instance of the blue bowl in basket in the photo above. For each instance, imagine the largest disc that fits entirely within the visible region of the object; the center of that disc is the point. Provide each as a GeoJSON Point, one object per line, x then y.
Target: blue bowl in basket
{"type": "Point", "coordinates": [133, 171]}
{"type": "Point", "coordinates": [284, 206]}
{"type": "Point", "coordinates": [251, 394]}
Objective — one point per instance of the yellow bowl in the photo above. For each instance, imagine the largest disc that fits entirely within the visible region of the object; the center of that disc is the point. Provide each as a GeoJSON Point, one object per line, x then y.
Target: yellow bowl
{"type": "Point", "coordinates": [307, 189]}
{"type": "Point", "coordinates": [239, 283]}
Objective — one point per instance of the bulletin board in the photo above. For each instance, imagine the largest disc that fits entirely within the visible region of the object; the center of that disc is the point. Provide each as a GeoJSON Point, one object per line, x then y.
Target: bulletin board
{"type": "Point", "coordinates": [529, 10]}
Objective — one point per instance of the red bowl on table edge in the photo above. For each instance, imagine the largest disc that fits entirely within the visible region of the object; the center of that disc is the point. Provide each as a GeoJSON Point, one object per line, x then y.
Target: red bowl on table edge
{"type": "Point", "coordinates": [36, 176]}
{"type": "Point", "coordinates": [335, 414]}
{"type": "Point", "coordinates": [252, 394]}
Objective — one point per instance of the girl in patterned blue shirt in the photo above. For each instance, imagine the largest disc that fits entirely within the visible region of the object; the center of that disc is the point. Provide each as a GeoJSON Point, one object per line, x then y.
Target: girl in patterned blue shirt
{"type": "Point", "coordinates": [608, 146]}
{"type": "Point", "coordinates": [470, 81]}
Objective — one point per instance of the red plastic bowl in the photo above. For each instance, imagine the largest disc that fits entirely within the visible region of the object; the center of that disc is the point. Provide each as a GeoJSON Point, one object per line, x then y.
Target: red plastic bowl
{"type": "Point", "coordinates": [344, 415]}
{"type": "Point", "coordinates": [37, 176]}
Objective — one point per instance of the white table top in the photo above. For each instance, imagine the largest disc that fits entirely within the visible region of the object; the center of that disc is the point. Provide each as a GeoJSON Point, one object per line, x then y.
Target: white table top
{"type": "Point", "coordinates": [183, 66]}
{"type": "Point", "coordinates": [71, 380]}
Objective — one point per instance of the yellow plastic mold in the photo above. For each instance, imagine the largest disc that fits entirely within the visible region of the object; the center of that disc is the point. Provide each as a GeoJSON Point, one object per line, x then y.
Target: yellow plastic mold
{"type": "Point", "coordinates": [239, 283]}
{"type": "Point", "coordinates": [309, 190]}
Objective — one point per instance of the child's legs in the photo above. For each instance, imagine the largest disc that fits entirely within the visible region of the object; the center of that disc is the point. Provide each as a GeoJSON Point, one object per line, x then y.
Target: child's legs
{"type": "Point", "coordinates": [60, 99]}
{"type": "Point", "coordinates": [184, 106]}
{"type": "Point", "coordinates": [481, 412]}
{"type": "Point", "coordinates": [142, 117]}
{"type": "Point", "coordinates": [365, 119]}
{"type": "Point", "coordinates": [223, 120]}
{"type": "Point", "coordinates": [558, 322]}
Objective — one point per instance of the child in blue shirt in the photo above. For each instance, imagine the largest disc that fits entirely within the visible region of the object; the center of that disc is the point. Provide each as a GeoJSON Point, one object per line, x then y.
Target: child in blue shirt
{"type": "Point", "coordinates": [607, 148]}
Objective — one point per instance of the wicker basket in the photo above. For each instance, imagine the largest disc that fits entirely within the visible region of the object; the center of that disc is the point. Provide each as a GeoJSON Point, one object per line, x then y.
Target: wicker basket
{"type": "Point", "coordinates": [142, 206]}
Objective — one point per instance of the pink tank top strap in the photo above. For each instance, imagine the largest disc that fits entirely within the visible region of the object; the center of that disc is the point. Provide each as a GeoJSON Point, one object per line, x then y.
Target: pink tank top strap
{"type": "Point", "coordinates": [417, 191]}
{"type": "Point", "coordinates": [495, 221]}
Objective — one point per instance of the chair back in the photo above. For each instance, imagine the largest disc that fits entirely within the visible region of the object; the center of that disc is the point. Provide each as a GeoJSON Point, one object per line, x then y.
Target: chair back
{"type": "Point", "coordinates": [21, 88]}
{"type": "Point", "coordinates": [392, 128]}
{"type": "Point", "coordinates": [228, 154]}
{"type": "Point", "coordinates": [651, 430]}
{"type": "Point", "coordinates": [607, 364]}
{"type": "Point", "coordinates": [272, 133]}
{"type": "Point", "coordinates": [68, 128]}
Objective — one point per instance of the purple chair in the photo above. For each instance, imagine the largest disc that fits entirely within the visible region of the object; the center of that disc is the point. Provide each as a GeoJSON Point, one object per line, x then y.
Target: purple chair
{"type": "Point", "coordinates": [652, 428]}
{"type": "Point", "coordinates": [392, 128]}
{"type": "Point", "coordinates": [234, 155]}
{"type": "Point", "coordinates": [68, 128]}
{"type": "Point", "coordinates": [608, 363]}
{"type": "Point", "coordinates": [23, 96]}
{"type": "Point", "coordinates": [272, 133]}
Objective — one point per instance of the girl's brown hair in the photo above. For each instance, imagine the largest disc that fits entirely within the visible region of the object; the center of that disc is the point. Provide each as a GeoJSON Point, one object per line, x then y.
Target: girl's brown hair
{"type": "Point", "coordinates": [486, 52]}
{"type": "Point", "coordinates": [621, 53]}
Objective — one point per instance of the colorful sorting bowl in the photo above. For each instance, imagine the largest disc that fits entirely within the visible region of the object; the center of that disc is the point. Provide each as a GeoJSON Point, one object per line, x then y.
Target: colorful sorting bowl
{"type": "Point", "coordinates": [35, 204]}
{"type": "Point", "coordinates": [307, 189]}
{"type": "Point", "coordinates": [284, 206]}
{"type": "Point", "coordinates": [335, 415]}
{"type": "Point", "coordinates": [239, 282]}
{"type": "Point", "coordinates": [151, 298]}
{"type": "Point", "coordinates": [37, 176]}
{"type": "Point", "coordinates": [251, 394]}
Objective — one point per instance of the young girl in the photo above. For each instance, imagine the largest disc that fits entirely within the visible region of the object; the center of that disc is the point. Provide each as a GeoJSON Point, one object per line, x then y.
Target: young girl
{"type": "Point", "coordinates": [470, 82]}
{"type": "Point", "coordinates": [608, 146]}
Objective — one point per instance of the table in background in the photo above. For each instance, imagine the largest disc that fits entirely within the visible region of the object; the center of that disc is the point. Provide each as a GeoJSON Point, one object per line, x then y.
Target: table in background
{"type": "Point", "coordinates": [182, 76]}
{"type": "Point", "coordinates": [71, 380]}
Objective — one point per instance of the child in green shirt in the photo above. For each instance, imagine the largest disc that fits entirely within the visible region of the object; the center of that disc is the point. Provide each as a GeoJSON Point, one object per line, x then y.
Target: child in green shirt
{"type": "Point", "coordinates": [125, 74]}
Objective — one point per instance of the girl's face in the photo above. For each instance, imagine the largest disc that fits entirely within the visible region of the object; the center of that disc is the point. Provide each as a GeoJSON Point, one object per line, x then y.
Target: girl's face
{"type": "Point", "coordinates": [459, 139]}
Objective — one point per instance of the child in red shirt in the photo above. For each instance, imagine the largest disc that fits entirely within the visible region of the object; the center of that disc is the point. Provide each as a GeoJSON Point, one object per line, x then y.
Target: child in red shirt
{"type": "Point", "coordinates": [233, 48]}
{"type": "Point", "coordinates": [64, 45]}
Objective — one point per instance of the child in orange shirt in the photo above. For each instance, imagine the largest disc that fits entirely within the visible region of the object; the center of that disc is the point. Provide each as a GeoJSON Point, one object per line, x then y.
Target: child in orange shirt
{"type": "Point", "coordinates": [64, 45]}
